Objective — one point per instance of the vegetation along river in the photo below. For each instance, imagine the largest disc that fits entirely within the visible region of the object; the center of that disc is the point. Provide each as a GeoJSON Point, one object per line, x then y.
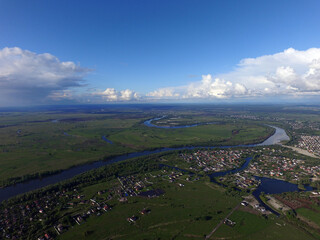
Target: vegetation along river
{"type": "Point", "coordinates": [20, 188]}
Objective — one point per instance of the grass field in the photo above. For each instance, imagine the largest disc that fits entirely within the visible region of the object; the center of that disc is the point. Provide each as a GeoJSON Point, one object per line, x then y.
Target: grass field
{"type": "Point", "coordinates": [34, 144]}
{"type": "Point", "coordinates": [249, 226]}
{"type": "Point", "coordinates": [221, 134]}
{"type": "Point", "coordinates": [187, 212]}
{"type": "Point", "coordinates": [309, 214]}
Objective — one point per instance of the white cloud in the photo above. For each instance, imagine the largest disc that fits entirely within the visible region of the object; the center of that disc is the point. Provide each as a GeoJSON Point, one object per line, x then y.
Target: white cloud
{"type": "Point", "coordinates": [288, 73]}
{"type": "Point", "coordinates": [112, 95]}
{"type": "Point", "coordinates": [26, 76]}
{"type": "Point", "coordinates": [207, 88]}
{"type": "Point", "coordinates": [214, 88]}
{"type": "Point", "coordinates": [285, 73]}
{"type": "Point", "coordinates": [164, 93]}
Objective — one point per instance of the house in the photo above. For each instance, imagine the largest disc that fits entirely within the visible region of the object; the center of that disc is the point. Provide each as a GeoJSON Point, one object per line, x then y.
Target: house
{"type": "Point", "coordinates": [145, 211]}
{"type": "Point", "coordinates": [132, 219]}
{"type": "Point", "coordinates": [229, 222]}
{"type": "Point", "coordinates": [123, 199]}
{"type": "Point", "coordinates": [106, 207]}
{"type": "Point", "coordinates": [244, 203]}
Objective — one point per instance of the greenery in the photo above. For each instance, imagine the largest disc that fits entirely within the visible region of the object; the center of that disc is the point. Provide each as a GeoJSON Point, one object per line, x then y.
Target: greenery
{"type": "Point", "coordinates": [251, 226]}
{"type": "Point", "coordinates": [309, 214]}
{"type": "Point", "coordinates": [36, 144]}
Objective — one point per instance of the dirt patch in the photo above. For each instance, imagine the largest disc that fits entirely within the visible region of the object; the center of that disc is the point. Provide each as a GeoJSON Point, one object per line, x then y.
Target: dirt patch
{"type": "Point", "coordinates": [167, 223]}
{"type": "Point", "coordinates": [249, 210]}
{"type": "Point", "coordinates": [295, 203]}
{"type": "Point", "coordinates": [193, 236]}
{"type": "Point", "coordinates": [309, 222]}
{"type": "Point", "coordinates": [301, 151]}
{"type": "Point", "coordinates": [115, 237]}
{"type": "Point", "coordinates": [277, 204]}
{"type": "Point", "coordinates": [214, 186]}
{"type": "Point", "coordinates": [235, 132]}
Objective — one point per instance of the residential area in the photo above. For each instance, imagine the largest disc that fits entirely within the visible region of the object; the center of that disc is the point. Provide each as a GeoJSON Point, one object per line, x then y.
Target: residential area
{"type": "Point", "coordinates": [63, 208]}
{"type": "Point", "coordinates": [215, 160]}
{"type": "Point", "coordinates": [310, 143]}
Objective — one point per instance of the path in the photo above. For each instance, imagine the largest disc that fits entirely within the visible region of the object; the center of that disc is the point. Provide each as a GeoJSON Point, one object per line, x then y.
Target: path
{"type": "Point", "coordinates": [221, 222]}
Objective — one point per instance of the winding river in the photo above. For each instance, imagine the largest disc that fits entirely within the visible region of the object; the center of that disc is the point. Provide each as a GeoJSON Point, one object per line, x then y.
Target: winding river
{"type": "Point", "coordinates": [149, 124]}
{"type": "Point", "coordinates": [20, 188]}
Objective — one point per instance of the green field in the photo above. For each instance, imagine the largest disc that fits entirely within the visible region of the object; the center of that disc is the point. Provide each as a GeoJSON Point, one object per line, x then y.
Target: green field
{"type": "Point", "coordinates": [188, 212]}
{"type": "Point", "coordinates": [34, 145]}
{"type": "Point", "coordinates": [251, 226]}
{"type": "Point", "coordinates": [309, 214]}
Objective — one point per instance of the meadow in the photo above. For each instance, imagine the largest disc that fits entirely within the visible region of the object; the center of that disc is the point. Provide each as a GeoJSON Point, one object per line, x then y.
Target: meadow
{"type": "Point", "coordinates": [182, 212]}
{"type": "Point", "coordinates": [35, 144]}
{"type": "Point", "coordinates": [254, 226]}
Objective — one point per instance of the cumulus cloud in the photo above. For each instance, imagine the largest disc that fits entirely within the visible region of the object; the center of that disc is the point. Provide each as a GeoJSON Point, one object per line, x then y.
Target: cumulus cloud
{"type": "Point", "coordinates": [164, 93]}
{"type": "Point", "coordinates": [207, 88]}
{"type": "Point", "coordinates": [112, 95]}
{"type": "Point", "coordinates": [288, 73]}
{"type": "Point", "coordinates": [214, 88]}
{"type": "Point", "coordinates": [26, 76]}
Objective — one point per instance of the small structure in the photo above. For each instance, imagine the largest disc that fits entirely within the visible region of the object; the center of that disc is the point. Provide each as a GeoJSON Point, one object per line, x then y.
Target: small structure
{"type": "Point", "coordinates": [244, 203]}
{"type": "Point", "coordinates": [145, 211]}
{"type": "Point", "coordinates": [228, 222]}
{"type": "Point", "coordinates": [132, 219]}
{"type": "Point", "coordinates": [106, 207]}
{"type": "Point", "coordinates": [123, 199]}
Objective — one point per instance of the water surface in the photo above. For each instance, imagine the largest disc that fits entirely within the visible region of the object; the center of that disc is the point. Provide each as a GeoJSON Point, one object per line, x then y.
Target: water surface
{"type": "Point", "coordinates": [149, 124]}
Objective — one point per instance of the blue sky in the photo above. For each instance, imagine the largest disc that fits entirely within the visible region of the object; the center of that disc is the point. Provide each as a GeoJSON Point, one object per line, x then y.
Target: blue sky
{"type": "Point", "coordinates": [157, 50]}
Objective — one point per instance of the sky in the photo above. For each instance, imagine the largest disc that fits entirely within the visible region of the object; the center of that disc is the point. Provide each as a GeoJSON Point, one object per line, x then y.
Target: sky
{"type": "Point", "coordinates": [62, 52]}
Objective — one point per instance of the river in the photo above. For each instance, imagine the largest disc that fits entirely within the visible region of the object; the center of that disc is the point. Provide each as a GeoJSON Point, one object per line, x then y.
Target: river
{"type": "Point", "coordinates": [20, 188]}
{"type": "Point", "coordinates": [149, 124]}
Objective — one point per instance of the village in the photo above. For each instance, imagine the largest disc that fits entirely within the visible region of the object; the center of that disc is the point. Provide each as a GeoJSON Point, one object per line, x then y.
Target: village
{"type": "Point", "coordinates": [241, 180]}
{"type": "Point", "coordinates": [61, 209]}
{"type": "Point", "coordinates": [16, 221]}
{"type": "Point", "coordinates": [273, 164]}
{"type": "Point", "coordinates": [310, 143]}
{"type": "Point", "coordinates": [215, 160]}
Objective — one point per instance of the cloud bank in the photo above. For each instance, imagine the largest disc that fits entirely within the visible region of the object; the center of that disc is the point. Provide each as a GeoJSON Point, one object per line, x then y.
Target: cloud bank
{"type": "Point", "coordinates": [30, 78]}
{"type": "Point", "coordinates": [289, 73]}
